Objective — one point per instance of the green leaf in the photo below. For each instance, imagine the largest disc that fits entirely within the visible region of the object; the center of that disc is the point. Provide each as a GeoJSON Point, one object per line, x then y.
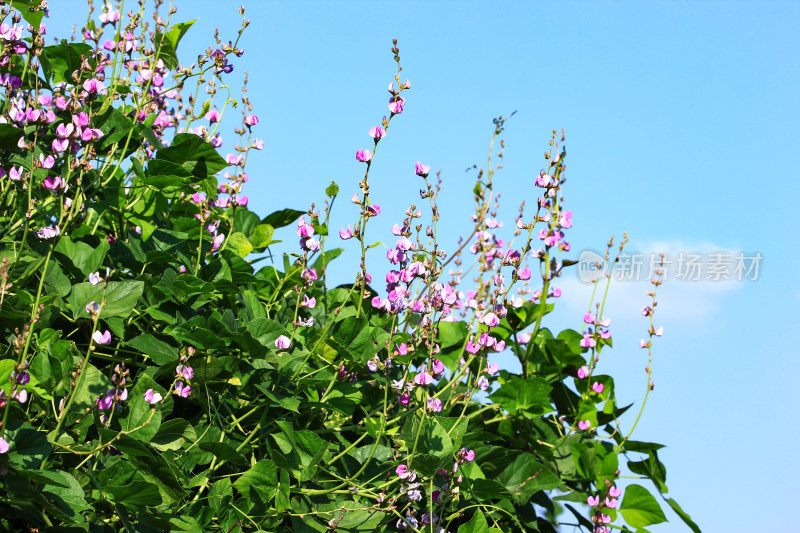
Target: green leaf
{"type": "Point", "coordinates": [332, 189]}
{"type": "Point", "coordinates": [262, 235]}
{"type": "Point", "coordinates": [478, 524]}
{"type": "Point", "coordinates": [526, 476]}
{"type": "Point", "coordinates": [683, 514]}
{"type": "Point", "coordinates": [120, 298]}
{"type": "Point", "coordinates": [28, 447]}
{"type": "Point", "coordinates": [94, 385]}
{"type": "Point", "coordinates": [135, 494]}
{"type": "Point", "coordinates": [279, 219]}
{"type": "Point", "coordinates": [194, 154]}
{"type": "Point", "coordinates": [65, 492]}
{"type": "Point", "coordinates": [166, 175]}
{"type": "Point", "coordinates": [639, 508]}
{"type": "Point", "coordinates": [529, 395]}
{"type": "Point", "coordinates": [9, 136]}
{"type": "Point", "coordinates": [262, 478]}
{"type": "Point", "coordinates": [86, 258]}
{"type": "Point", "coordinates": [159, 351]}
{"type": "Point", "coordinates": [61, 60]}
{"type": "Point", "coordinates": [239, 244]}
{"type": "Point", "coordinates": [168, 43]}
{"type": "Point", "coordinates": [172, 434]}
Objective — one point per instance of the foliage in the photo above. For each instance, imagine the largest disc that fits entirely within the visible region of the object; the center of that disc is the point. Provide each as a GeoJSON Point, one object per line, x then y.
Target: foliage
{"type": "Point", "coordinates": [153, 379]}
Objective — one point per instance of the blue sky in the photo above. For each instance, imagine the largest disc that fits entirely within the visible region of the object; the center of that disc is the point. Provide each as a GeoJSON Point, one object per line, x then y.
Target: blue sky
{"type": "Point", "coordinates": [681, 121]}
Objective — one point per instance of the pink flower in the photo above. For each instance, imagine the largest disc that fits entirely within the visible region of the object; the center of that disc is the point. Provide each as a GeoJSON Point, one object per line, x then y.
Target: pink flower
{"type": "Point", "coordinates": [423, 378]}
{"type": "Point", "coordinates": [217, 242]}
{"type": "Point", "coordinates": [524, 274]}
{"type": "Point", "coordinates": [438, 367]}
{"type": "Point", "coordinates": [184, 371]}
{"type": "Point", "coordinates": [94, 278]}
{"type": "Point", "coordinates": [363, 155]}
{"type": "Point", "coordinates": [615, 492]}
{"type": "Point", "coordinates": [251, 120]}
{"type": "Point", "coordinates": [102, 338]}
{"type": "Point", "coordinates": [4, 446]}
{"type": "Point", "coordinates": [91, 134]}
{"type": "Point", "coordinates": [396, 104]}
{"type": "Point", "coordinates": [588, 341]}
{"type": "Point", "coordinates": [213, 116]}
{"type": "Point", "coordinates": [309, 275]}
{"type": "Point", "coordinates": [94, 86]}
{"type": "Point", "coordinates": [182, 389]}
{"type": "Point", "coordinates": [377, 132]}
{"type": "Point", "coordinates": [282, 342]}
{"type": "Point", "coordinates": [46, 162]}
{"type": "Point", "coordinates": [421, 170]}
{"type": "Point", "coordinates": [610, 503]}
{"type": "Point", "coordinates": [472, 347]}
{"type": "Point", "coordinates": [566, 220]}
{"type": "Point", "coordinates": [434, 405]}
{"type": "Point", "coordinates": [524, 337]}
{"type": "Point", "coordinates": [374, 210]}
{"type": "Point", "coordinates": [493, 369]}
{"type": "Point", "coordinates": [542, 180]}
{"type": "Point", "coordinates": [16, 173]}
{"type": "Point", "coordinates": [594, 501]}
{"type": "Point", "coordinates": [53, 182]}
{"type": "Point", "coordinates": [490, 319]}
{"type": "Point", "coordinates": [308, 302]}
{"type": "Point", "coordinates": [345, 234]}
{"type": "Point", "coordinates": [483, 383]}
{"type": "Point", "coordinates": [404, 244]}
{"type": "Point", "coordinates": [583, 372]}
{"type": "Point", "coordinates": [469, 455]}
{"type": "Point", "coordinates": [589, 318]}
{"type": "Point", "coordinates": [598, 387]}
{"type": "Point", "coordinates": [152, 397]}
{"type": "Point", "coordinates": [403, 472]}
{"type": "Point", "coordinates": [583, 425]}
{"type": "Point", "coordinates": [303, 229]}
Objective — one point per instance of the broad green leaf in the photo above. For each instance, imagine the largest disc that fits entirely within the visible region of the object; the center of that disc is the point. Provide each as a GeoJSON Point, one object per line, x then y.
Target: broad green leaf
{"type": "Point", "coordinates": [526, 476]}
{"type": "Point", "coordinates": [86, 258]}
{"type": "Point", "coordinates": [194, 154]}
{"type": "Point", "coordinates": [135, 494]}
{"type": "Point", "coordinates": [158, 350]}
{"type": "Point", "coordinates": [28, 447]}
{"type": "Point", "coordinates": [262, 477]}
{"type": "Point", "coordinates": [639, 508]}
{"type": "Point", "coordinates": [172, 434]}
{"type": "Point", "coordinates": [239, 244]}
{"type": "Point", "coordinates": [61, 60]}
{"type": "Point", "coordinates": [477, 524]}
{"type": "Point", "coordinates": [528, 395]}
{"type": "Point", "coordinates": [120, 297]}
{"type": "Point", "coordinates": [262, 235]}
{"type": "Point", "coordinates": [281, 218]}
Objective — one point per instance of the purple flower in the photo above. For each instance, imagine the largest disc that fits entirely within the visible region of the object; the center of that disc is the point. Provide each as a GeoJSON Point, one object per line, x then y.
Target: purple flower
{"type": "Point", "coordinates": [309, 302]}
{"type": "Point", "coordinates": [94, 278]}
{"type": "Point", "coordinates": [374, 210]}
{"type": "Point", "coordinates": [303, 229]}
{"type": "Point", "coordinates": [282, 342]}
{"type": "Point", "coordinates": [152, 397]}
{"type": "Point", "coordinates": [182, 389]}
{"type": "Point", "coordinates": [102, 338]}
{"type": "Point", "coordinates": [483, 383]}
{"type": "Point", "coordinates": [94, 86]}
{"type": "Point", "coordinates": [588, 341]}
{"type": "Point", "coordinates": [423, 378]}
{"type": "Point", "coordinates": [309, 275]}
{"type": "Point", "coordinates": [396, 104]}
{"type": "Point", "coordinates": [434, 405]}
{"type": "Point", "coordinates": [184, 371]}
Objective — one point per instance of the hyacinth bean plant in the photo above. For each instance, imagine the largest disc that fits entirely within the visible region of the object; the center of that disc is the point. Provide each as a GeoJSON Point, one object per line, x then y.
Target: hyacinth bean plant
{"type": "Point", "coordinates": [155, 376]}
